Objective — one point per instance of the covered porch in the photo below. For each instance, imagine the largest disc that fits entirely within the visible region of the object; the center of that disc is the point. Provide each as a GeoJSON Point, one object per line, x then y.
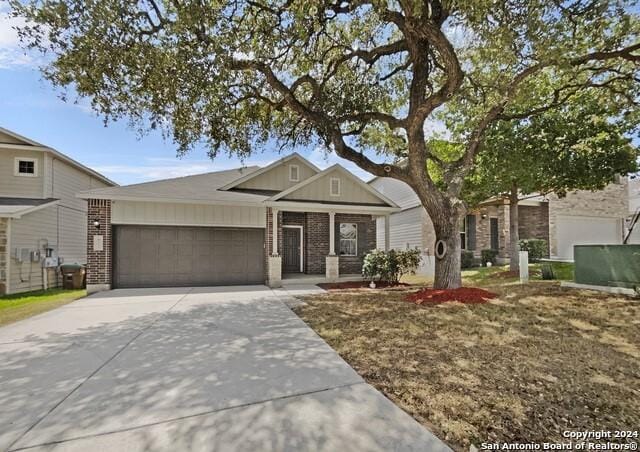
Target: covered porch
{"type": "Point", "coordinates": [322, 243]}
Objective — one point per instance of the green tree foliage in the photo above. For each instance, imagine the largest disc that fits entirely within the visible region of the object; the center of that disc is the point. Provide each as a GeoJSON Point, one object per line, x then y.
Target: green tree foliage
{"type": "Point", "coordinates": [581, 145]}
{"type": "Point", "coordinates": [584, 144]}
{"type": "Point", "coordinates": [358, 76]}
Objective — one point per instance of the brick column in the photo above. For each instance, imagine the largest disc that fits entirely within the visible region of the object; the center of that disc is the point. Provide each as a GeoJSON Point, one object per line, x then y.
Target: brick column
{"type": "Point", "coordinates": [98, 245]}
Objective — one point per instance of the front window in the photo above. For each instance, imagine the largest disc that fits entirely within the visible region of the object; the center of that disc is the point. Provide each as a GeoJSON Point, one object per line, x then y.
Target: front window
{"type": "Point", "coordinates": [463, 233]}
{"type": "Point", "coordinates": [348, 239]}
{"type": "Point", "coordinates": [26, 167]}
{"type": "Point", "coordinates": [294, 173]}
{"type": "Point", "coordinates": [334, 186]}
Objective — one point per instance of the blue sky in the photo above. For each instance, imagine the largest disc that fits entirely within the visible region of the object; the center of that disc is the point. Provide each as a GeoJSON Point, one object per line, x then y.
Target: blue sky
{"type": "Point", "coordinates": [31, 107]}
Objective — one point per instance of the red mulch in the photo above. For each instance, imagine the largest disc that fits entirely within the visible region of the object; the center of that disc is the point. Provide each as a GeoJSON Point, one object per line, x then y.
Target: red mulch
{"type": "Point", "coordinates": [357, 285]}
{"type": "Point", "coordinates": [466, 295]}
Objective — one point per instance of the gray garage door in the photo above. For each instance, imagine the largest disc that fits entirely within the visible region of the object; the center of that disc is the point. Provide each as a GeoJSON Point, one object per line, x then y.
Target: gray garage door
{"type": "Point", "coordinates": [171, 256]}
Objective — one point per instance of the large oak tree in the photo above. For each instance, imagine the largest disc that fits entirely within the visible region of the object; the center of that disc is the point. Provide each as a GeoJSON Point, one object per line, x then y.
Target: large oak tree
{"type": "Point", "coordinates": [359, 76]}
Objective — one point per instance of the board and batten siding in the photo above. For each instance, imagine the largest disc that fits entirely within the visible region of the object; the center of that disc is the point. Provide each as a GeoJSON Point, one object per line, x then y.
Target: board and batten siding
{"type": "Point", "coordinates": [319, 190]}
{"type": "Point", "coordinates": [32, 231]}
{"type": "Point", "coordinates": [62, 226]}
{"type": "Point", "coordinates": [180, 214]}
{"type": "Point", "coordinates": [20, 186]}
{"type": "Point", "coordinates": [63, 182]}
{"type": "Point", "coordinates": [396, 190]}
{"type": "Point", "coordinates": [277, 178]}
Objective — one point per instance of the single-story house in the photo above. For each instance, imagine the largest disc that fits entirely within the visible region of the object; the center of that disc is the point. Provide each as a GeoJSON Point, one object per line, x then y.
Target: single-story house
{"type": "Point", "coordinates": [42, 222]}
{"type": "Point", "coordinates": [582, 217]}
{"type": "Point", "coordinates": [249, 225]}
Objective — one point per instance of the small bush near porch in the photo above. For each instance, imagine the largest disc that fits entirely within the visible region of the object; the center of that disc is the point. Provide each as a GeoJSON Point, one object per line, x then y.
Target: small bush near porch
{"type": "Point", "coordinates": [525, 366]}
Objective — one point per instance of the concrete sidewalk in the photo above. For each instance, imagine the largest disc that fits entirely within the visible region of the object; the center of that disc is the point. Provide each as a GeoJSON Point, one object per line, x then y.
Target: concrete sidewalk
{"type": "Point", "coordinates": [188, 369]}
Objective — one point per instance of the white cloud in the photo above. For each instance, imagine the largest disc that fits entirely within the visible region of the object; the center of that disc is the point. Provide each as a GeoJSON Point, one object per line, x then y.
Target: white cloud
{"type": "Point", "coordinates": [11, 54]}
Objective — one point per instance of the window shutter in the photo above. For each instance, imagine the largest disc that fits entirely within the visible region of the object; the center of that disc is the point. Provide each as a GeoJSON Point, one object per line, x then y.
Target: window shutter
{"type": "Point", "coordinates": [362, 239]}
{"type": "Point", "coordinates": [471, 232]}
{"type": "Point", "coordinates": [337, 237]}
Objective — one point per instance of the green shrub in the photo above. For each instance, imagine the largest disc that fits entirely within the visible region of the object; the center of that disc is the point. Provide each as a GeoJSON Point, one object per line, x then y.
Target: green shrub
{"type": "Point", "coordinates": [466, 259]}
{"type": "Point", "coordinates": [390, 266]}
{"type": "Point", "coordinates": [489, 256]}
{"type": "Point", "coordinates": [373, 265]}
{"type": "Point", "coordinates": [537, 248]}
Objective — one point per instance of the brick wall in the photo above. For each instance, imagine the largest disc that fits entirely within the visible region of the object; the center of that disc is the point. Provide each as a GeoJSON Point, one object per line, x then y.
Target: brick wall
{"type": "Point", "coordinates": [317, 232]}
{"type": "Point", "coordinates": [483, 229]}
{"type": "Point", "coordinates": [4, 254]}
{"type": "Point", "coordinates": [316, 238]}
{"type": "Point", "coordinates": [99, 262]}
{"type": "Point", "coordinates": [533, 222]}
{"type": "Point", "coordinates": [612, 202]}
{"type": "Point", "coordinates": [366, 226]}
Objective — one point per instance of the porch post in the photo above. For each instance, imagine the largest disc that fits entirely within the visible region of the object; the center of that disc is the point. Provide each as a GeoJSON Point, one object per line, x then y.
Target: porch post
{"type": "Point", "coordinates": [332, 234]}
{"type": "Point", "coordinates": [332, 262]}
{"type": "Point", "coordinates": [387, 232]}
{"type": "Point", "coordinates": [274, 232]}
{"type": "Point", "coordinates": [274, 262]}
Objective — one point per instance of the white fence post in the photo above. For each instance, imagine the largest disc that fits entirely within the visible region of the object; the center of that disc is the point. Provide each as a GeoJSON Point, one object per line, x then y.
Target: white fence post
{"type": "Point", "coordinates": [524, 267]}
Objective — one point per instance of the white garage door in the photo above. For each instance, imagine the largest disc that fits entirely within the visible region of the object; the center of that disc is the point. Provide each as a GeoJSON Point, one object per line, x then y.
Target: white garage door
{"type": "Point", "coordinates": [586, 231]}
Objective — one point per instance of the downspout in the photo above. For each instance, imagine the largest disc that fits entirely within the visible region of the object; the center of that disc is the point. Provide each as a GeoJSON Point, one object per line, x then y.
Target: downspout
{"type": "Point", "coordinates": [8, 257]}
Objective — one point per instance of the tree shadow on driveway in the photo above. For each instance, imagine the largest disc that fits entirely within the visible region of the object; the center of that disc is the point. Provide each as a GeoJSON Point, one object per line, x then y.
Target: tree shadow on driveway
{"type": "Point", "coordinates": [225, 375]}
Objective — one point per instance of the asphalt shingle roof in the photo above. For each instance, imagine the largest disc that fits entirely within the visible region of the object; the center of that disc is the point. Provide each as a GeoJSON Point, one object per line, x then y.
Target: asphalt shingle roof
{"type": "Point", "coordinates": [199, 187]}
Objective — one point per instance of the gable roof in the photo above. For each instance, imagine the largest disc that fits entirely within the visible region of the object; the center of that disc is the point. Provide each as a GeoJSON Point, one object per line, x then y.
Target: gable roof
{"type": "Point", "coordinates": [17, 207]}
{"type": "Point", "coordinates": [30, 145]}
{"type": "Point", "coordinates": [328, 171]}
{"type": "Point", "coordinates": [210, 188]}
{"type": "Point", "coordinates": [195, 189]}
{"type": "Point", "coordinates": [269, 167]}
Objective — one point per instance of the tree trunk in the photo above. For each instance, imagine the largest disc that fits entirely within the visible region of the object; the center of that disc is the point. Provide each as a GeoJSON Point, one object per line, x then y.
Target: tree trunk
{"type": "Point", "coordinates": [514, 237]}
{"type": "Point", "coordinates": [447, 271]}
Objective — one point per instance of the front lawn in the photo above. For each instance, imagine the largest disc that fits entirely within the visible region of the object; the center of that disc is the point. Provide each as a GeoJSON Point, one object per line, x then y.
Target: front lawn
{"type": "Point", "coordinates": [20, 306]}
{"type": "Point", "coordinates": [500, 273]}
{"type": "Point", "coordinates": [525, 366]}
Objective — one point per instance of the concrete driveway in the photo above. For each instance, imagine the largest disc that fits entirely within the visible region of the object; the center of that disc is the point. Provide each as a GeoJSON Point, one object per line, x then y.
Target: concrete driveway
{"type": "Point", "coordinates": [203, 369]}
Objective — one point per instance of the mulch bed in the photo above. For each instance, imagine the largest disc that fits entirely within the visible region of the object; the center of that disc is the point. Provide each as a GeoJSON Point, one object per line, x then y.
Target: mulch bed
{"type": "Point", "coordinates": [358, 285]}
{"type": "Point", "coordinates": [466, 295]}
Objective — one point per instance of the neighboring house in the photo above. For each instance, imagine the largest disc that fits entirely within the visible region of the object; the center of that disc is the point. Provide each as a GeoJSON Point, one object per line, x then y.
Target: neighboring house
{"type": "Point", "coordinates": [582, 217]}
{"type": "Point", "coordinates": [41, 219]}
{"type": "Point", "coordinates": [242, 226]}
{"type": "Point", "coordinates": [634, 208]}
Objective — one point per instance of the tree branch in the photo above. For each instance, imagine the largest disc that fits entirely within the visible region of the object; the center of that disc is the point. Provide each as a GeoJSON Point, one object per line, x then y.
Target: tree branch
{"type": "Point", "coordinates": [327, 127]}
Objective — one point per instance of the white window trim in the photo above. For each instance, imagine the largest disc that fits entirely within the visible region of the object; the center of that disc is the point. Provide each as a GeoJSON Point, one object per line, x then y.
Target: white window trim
{"type": "Point", "coordinates": [331, 193]}
{"type": "Point", "coordinates": [297, 179]}
{"type": "Point", "coordinates": [464, 231]}
{"type": "Point", "coordinates": [16, 167]}
{"type": "Point", "coordinates": [340, 241]}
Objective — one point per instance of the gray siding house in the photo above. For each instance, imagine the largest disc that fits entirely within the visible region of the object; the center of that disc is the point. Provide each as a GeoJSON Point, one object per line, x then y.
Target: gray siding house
{"type": "Point", "coordinates": [582, 217]}
{"type": "Point", "coordinates": [285, 221]}
{"type": "Point", "coordinates": [40, 215]}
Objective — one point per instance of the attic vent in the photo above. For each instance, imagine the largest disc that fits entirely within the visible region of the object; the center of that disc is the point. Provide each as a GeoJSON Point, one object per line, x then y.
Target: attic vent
{"type": "Point", "coordinates": [294, 173]}
{"type": "Point", "coordinates": [334, 186]}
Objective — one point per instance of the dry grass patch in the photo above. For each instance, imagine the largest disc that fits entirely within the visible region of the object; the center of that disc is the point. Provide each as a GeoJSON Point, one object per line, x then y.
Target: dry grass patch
{"type": "Point", "coordinates": [535, 361]}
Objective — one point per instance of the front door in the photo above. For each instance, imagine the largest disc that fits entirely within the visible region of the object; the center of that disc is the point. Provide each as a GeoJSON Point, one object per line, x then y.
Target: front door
{"type": "Point", "coordinates": [495, 244]}
{"type": "Point", "coordinates": [291, 246]}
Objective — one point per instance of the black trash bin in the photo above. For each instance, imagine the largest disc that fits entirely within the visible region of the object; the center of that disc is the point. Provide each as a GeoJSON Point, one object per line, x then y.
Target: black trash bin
{"type": "Point", "coordinates": [72, 276]}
